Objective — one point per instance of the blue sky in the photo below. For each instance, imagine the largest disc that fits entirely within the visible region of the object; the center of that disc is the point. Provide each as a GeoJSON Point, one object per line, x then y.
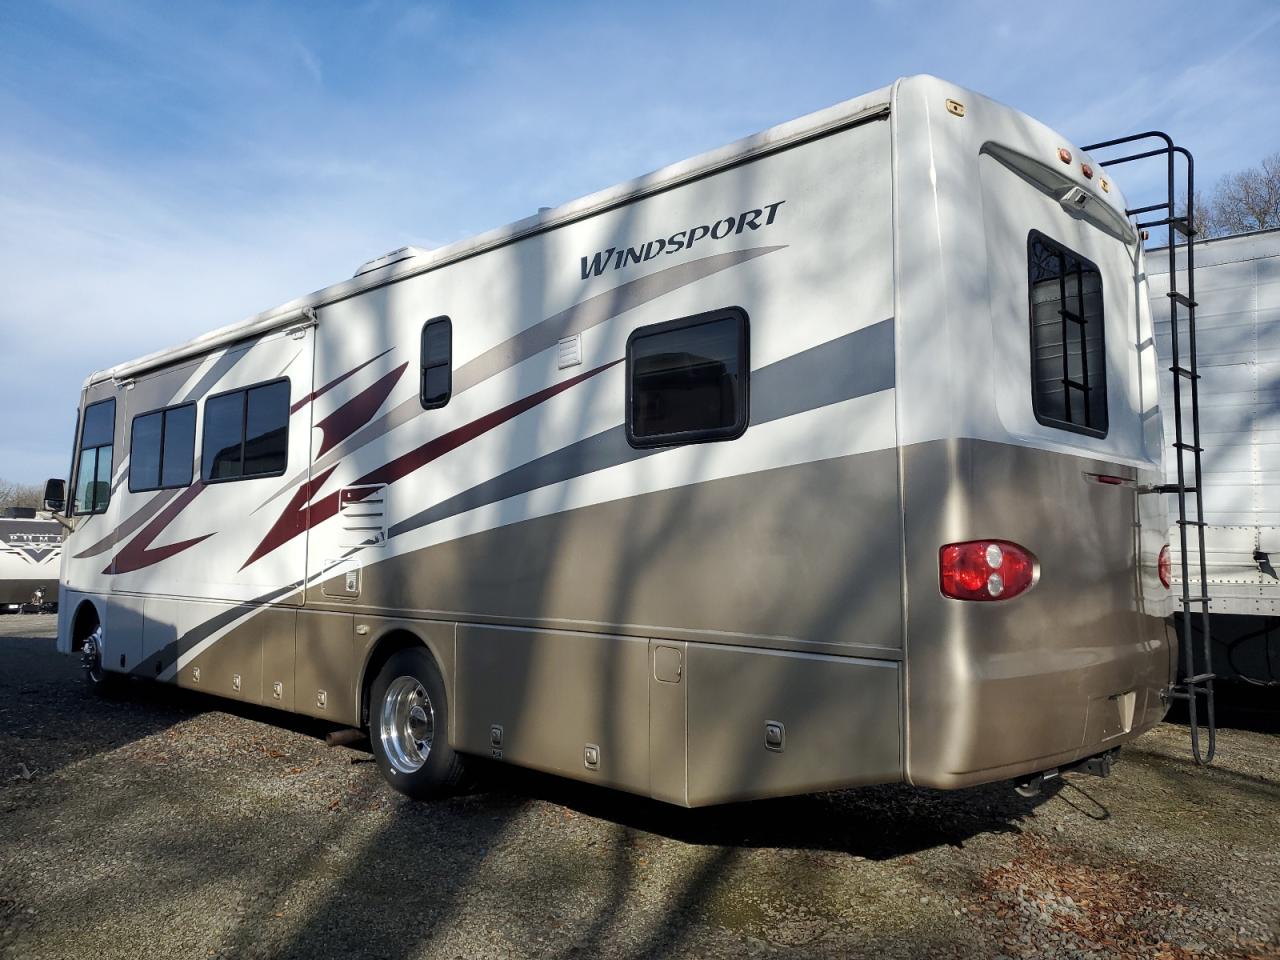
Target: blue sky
{"type": "Point", "coordinates": [169, 168]}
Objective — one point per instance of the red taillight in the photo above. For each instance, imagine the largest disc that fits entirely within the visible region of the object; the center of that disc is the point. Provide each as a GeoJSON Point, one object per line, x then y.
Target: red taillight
{"type": "Point", "coordinates": [1164, 566]}
{"type": "Point", "coordinates": [985, 570]}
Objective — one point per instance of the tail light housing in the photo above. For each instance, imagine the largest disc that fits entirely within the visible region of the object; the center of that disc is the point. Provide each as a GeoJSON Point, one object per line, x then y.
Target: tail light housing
{"type": "Point", "coordinates": [1164, 567]}
{"type": "Point", "coordinates": [985, 570]}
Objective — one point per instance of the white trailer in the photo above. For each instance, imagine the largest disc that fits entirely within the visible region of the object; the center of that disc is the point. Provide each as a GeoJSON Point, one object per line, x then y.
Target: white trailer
{"type": "Point", "coordinates": [1238, 338]}
{"type": "Point", "coordinates": [30, 557]}
{"type": "Point", "coordinates": [814, 461]}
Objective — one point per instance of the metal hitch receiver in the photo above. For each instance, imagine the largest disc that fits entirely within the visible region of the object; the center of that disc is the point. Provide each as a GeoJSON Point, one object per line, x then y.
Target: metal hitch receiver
{"type": "Point", "coordinates": [1099, 765]}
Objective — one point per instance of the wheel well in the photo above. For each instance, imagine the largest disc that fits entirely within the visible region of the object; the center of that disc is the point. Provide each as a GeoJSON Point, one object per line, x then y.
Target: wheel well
{"type": "Point", "coordinates": [85, 622]}
{"type": "Point", "coordinates": [386, 647]}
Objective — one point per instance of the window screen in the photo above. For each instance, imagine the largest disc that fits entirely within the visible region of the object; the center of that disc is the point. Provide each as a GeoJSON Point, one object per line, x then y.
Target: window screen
{"type": "Point", "coordinates": [93, 472]}
{"type": "Point", "coordinates": [687, 380]}
{"type": "Point", "coordinates": [1068, 359]}
{"type": "Point", "coordinates": [161, 448]}
{"type": "Point", "coordinates": [246, 433]}
{"type": "Point", "coordinates": [437, 362]}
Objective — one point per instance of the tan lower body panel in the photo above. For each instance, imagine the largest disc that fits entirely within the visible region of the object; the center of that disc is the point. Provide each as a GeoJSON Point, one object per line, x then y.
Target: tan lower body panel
{"type": "Point", "coordinates": [555, 695]}
{"type": "Point", "coordinates": [248, 660]}
{"type": "Point", "coordinates": [682, 722]}
{"type": "Point", "coordinates": [837, 717]}
{"type": "Point", "coordinates": [803, 554]}
{"type": "Point", "coordinates": [326, 678]}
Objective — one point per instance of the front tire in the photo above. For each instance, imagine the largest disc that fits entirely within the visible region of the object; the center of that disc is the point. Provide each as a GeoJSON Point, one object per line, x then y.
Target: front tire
{"type": "Point", "coordinates": [101, 681]}
{"type": "Point", "coordinates": [409, 727]}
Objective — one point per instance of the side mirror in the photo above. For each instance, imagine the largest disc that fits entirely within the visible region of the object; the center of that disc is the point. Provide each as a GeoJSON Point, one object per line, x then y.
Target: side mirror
{"type": "Point", "coordinates": [55, 495]}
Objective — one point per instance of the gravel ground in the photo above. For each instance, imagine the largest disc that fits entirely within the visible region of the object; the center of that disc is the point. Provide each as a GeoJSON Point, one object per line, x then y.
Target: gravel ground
{"type": "Point", "coordinates": [169, 825]}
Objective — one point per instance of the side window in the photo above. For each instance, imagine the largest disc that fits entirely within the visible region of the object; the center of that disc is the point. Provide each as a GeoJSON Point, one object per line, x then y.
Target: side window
{"type": "Point", "coordinates": [162, 447]}
{"type": "Point", "coordinates": [687, 380]}
{"type": "Point", "coordinates": [437, 363]}
{"type": "Point", "coordinates": [93, 471]}
{"type": "Point", "coordinates": [1068, 355]}
{"type": "Point", "coordinates": [246, 433]}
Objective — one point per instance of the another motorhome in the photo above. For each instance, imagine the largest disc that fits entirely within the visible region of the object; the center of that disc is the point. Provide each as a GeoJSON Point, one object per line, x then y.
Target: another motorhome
{"type": "Point", "coordinates": [30, 552]}
{"type": "Point", "coordinates": [814, 461]}
{"type": "Point", "coordinates": [1238, 323]}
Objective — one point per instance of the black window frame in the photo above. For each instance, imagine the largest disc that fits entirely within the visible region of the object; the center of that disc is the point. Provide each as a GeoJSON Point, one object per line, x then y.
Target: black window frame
{"type": "Point", "coordinates": [244, 417]}
{"type": "Point", "coordinates": [423, 367]}
{"type": "Point", "coordinates": [742, 397]}
{"type": "Point", "coordinates": [164, 429]}
{"type": "Point", "coordinates": [97, 448]}
{"type": "Point", "coordinates": [1063, 251]}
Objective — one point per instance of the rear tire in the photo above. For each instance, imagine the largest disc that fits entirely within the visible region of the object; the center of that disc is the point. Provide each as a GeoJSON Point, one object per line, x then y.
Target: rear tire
{"type": "Point", "coordinates": [409, 727]}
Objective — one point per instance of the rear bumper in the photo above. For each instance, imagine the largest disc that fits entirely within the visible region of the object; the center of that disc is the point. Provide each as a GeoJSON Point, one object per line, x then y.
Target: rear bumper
{"type": "Point", "coordinates": [1004, 738]}
{"type": "Point", "coordinates": [1074, 666]}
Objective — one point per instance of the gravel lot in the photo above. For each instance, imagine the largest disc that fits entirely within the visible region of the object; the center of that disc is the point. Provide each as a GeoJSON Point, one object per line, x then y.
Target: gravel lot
{"type": "Point", "coordinates": [170, 825]}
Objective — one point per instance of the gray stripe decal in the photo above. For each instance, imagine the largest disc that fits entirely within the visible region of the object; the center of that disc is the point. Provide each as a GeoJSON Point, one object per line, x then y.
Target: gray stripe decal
{"type": "Point", "coordinates": [529, 343]}
{"type": "Point", "coordinates": [851, 366]}
{"type": "Point", "coordinates": [854, 365]}
{"type": "Point", "coordinates": [135, 522]}
{"type": "Point", "coordinates": [606, 449]}
{"type": "Point", "coordinates": [594, 311]}
{"type": "Point", "coordinates": [219, 369]}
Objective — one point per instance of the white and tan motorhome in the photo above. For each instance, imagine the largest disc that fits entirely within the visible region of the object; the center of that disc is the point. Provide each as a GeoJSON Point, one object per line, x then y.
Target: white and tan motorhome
{"type": "Point", "coordinates": [814, 461]}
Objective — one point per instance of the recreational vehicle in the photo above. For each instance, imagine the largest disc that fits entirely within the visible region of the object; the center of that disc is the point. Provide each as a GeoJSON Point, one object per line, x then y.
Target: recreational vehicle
{"type": "Point", "coordinates": [822, 459]}
{"type": "Point", "coordinates": [1238, 297]}
{"type": "Point", "coordinates": [30, 550]}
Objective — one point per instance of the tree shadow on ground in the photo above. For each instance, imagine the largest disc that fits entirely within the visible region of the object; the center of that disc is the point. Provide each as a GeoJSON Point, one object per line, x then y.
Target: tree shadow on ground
{"type": "Point", "coordinates": [877, 823]}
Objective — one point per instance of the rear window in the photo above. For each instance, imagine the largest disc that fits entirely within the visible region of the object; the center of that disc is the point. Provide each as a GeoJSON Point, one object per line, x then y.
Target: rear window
{"type": "Point", "coordinates": [1068, 355]}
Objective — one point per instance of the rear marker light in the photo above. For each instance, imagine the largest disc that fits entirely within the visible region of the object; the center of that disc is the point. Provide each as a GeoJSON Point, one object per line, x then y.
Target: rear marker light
{"type": "Point", "coordinates": [1087, 171]}
{"type": "Point", "coordinates": [1064, 154]}
{"type": "Point", "coordinates": [985, 570]}
{"type": "Point", "coordinates": [1164, 566]}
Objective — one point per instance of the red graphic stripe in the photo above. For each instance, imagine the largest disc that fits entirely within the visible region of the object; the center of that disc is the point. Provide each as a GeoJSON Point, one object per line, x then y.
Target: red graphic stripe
{"type": "Point", "coordinates": [357, 411]}
{"type": "Point", "coordinates": [333, 383]}
{"type": "Point", "coordinates": [138, 553]}
{"type": "Point", "coordinates": [298, 517]}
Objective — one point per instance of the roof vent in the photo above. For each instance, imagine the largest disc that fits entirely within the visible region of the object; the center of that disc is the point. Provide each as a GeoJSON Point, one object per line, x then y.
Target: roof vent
{"type": "Point", "coordinates": [387, 259]}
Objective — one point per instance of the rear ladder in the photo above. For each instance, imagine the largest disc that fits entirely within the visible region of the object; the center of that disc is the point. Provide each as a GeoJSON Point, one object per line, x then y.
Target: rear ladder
{"type": "Point", "coordinates": [1197, 662]}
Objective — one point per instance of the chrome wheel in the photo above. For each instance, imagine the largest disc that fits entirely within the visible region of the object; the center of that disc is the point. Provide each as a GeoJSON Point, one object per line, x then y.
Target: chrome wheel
{"type": "Point", "coordinates": [407, 724]}
{"type": "Point", "coordinates": [91, 656]}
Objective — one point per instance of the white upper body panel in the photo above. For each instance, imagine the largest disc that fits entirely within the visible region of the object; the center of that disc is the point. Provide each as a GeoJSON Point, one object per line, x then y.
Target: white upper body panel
{"type": "Point", "coordinates": [969, 189]}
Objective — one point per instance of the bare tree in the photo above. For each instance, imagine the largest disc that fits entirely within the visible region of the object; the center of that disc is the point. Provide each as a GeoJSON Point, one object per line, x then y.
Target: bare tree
{"type": "Point", "coordinates": [1203, 218]}
{"type": "Point", "coordinates": [1247, 200]}
{"type": "Point", "coordinates": [20, 494]}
